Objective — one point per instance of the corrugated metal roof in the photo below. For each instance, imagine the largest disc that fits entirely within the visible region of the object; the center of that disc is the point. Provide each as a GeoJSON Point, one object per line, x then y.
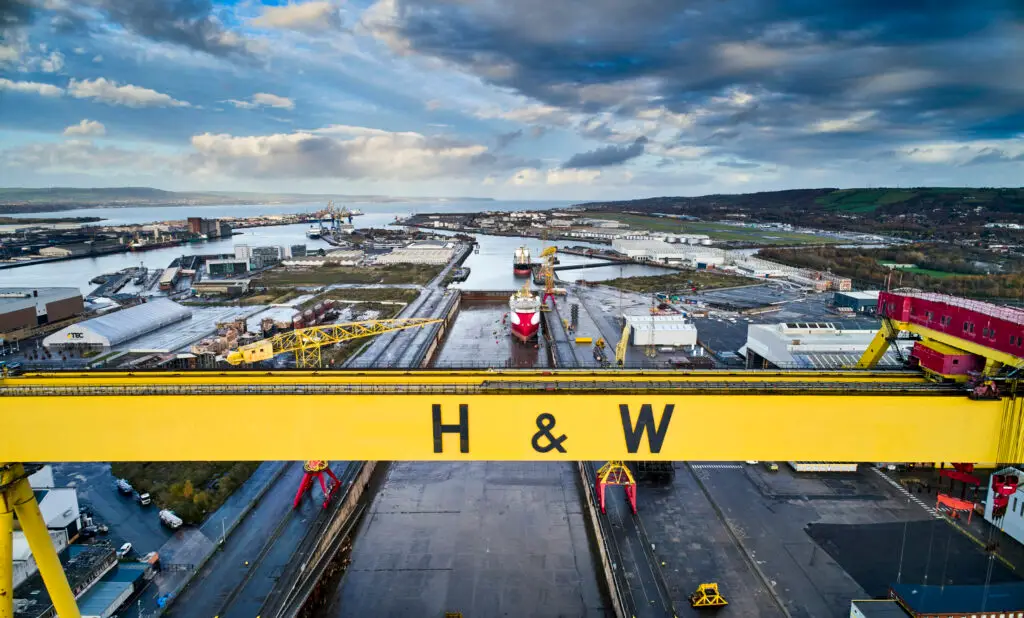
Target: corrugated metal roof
{"type": "Point", "coordinates": [136, 321]}
{"type": "Point", "coordinates": [98, 599]}
{"type": "Point", "coordinates": [840, 360]}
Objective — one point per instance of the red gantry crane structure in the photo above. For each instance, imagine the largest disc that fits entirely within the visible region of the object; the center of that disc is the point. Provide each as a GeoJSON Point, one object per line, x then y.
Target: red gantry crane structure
{"type": "Point", "coordinates": [959, 340]}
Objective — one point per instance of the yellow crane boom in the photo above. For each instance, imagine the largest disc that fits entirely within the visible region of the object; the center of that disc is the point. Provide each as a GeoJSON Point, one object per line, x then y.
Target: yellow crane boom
{"type": "Point", "coordinates": [306, 342]}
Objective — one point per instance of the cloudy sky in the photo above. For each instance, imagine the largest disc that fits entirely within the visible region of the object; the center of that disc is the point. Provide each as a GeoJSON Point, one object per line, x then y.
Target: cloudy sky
{"type": "Point", "coordinates": [531, 99]}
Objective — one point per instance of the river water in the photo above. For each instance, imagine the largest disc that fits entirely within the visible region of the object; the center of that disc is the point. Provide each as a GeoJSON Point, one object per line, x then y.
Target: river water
{"type": "Point", "coordinates": [491, 268]}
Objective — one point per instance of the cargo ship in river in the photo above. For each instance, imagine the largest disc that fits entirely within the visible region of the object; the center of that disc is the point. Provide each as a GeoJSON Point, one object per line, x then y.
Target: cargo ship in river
{"type": "Point", "coordinates": [521, 262]}
{"type": "Point", "coordinates": [146, 245]}
{"type": "Point", "coordinates": [524, 314]}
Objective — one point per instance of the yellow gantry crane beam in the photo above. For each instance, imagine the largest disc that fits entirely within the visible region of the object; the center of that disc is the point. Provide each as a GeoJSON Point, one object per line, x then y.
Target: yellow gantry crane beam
{"type": "Point", "coordinates": [305, 343]}
{"type": "Point", "coordinates": [653, 415]}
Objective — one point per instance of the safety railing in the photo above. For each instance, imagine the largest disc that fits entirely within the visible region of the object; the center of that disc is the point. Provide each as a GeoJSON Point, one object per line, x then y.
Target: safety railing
{"type": "Point", "coordinates": [491, 388]}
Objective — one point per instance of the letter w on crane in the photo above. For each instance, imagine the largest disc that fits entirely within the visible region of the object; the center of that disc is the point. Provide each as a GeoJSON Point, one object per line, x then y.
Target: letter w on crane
{"type": "Point", "coordinates": [645, 423]}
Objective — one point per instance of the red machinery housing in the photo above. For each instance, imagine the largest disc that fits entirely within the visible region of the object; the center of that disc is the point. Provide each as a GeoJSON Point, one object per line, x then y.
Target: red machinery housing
{"type": "Point", "coordinates": [992, 326]}
{"type": "Point", "coordinates": [945, 360]}
{"type": "Point", "coordinates": [1003, 486]}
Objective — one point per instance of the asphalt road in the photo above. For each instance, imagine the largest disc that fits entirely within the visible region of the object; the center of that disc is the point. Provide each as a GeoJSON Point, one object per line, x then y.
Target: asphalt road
{"type": "Point", "coordinates": [642, 573]}
{"type": "Point", "coordinates": [127, 520]}
{"type": "Point", "coordinates": [224, 574]}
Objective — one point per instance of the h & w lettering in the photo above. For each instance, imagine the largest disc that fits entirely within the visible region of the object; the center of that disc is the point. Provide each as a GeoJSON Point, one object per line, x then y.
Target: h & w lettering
{"type": "Point", "coordinates": [462, 428]}
{"type": "Point", "coordinates": [645, 422]}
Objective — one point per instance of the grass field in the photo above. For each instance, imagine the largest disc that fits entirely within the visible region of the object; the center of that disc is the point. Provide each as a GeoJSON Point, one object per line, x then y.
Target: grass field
{"type": "Point", "coordinates": [397, 295]}
{"type": "Point", "coordinates": [941, 274]}
{"type": "Point", "coordinates": [864, 200]}
{"type": "Point", "coordinates": [420, 274]}
{"type": "Point", "coordinates": [676, 282]}
{"type": "Point", "coordinates": [717, 231]}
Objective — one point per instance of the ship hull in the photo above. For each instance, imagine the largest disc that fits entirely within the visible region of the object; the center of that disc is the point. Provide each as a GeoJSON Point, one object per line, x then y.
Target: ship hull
{"type": "Point", "coordinates": [521, 270]}
{"type": "Point", "coordinates": [525, 326]}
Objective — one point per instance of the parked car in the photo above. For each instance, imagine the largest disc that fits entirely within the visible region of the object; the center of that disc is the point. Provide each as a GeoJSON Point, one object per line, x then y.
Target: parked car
{"type": "Point", "coordinates": [88, 532]}
{"type": "Point", "coordinates": [102, 529]}
{"type": "Point", "coordinates": [124, 487]}
{"type": "Point", "coordinates": [145, 499]}
{"type": "Point", "coordinates": [124, 550]}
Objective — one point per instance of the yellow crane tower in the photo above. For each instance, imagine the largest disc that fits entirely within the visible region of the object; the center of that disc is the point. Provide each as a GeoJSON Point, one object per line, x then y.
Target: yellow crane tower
{"type": "Point", "coordinates": [620, 347]}
{"type": "Point", "coordinates": [305, 343]}
{"type": "Point", "coordinates": [547, 271]}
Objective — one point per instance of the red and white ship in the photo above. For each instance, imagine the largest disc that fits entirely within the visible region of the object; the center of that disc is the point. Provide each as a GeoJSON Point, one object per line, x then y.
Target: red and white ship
{"type": "Point", "coordinates": [521, 262]}
{"type": "Point", "coordinates": [524, 313]}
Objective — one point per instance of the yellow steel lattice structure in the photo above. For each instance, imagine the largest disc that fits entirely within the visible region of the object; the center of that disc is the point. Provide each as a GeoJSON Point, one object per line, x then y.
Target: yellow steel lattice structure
{"type": "Point", "coordinates": [305, 343]}
{"type": "Point", "coordinates": [707, 595]}
{"type": "Point", "coordinates": [620, 347]}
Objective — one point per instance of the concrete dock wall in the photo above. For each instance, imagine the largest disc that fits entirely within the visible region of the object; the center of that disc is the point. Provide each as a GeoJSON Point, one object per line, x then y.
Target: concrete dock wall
{"type": "Point", "coordinates": [593, 519]}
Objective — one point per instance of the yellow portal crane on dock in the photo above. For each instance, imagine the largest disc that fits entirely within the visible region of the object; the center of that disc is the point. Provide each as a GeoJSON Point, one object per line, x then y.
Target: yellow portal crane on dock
{"type": "Point", "coordinates": [305, 343]}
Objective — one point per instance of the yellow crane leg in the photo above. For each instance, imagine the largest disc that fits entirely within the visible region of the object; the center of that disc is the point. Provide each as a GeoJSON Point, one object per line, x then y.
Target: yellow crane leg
{"type": "Point", "coordinates": [16, 494]}
{"type": "Point", "coordinates": [6, 562]}
{"type": "Point", "coordinates": [878, 346]}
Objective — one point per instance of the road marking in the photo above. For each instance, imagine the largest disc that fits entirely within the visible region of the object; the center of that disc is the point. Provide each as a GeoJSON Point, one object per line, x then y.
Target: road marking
{"type": "Point", "coordinates": [903, 490]}
{"type": "Point", "coordinates": [716, 466]}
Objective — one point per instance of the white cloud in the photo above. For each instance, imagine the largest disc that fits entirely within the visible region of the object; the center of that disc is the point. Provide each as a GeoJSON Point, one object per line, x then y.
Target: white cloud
{"type": "Point", "coordinates": [86, 127]}
{"type": "Point", "coordinates": [531, 176]}
{"type": "Point", "coordinates": [263, 99]}
{"type": "Point", "coordinates": [81, 156]}
{"type": "Point", "coordinates": [52, 63]}
{"type": "Point", "coordinates": [305, 17]}
{"type": "Point", "coordinates": [9, 54]}
{"type": "Point", "coordinates": [529, 114]}
{"type": "Point", "coordinates": [960, 153]}
{"type": "Point", "coordinates": [97, 58]}
{"type": "Point", "coordinates": [335, 152]}
{"type": "Point", "coordinates": [45, 90]}
{"type": "Point", "coordinates": [109, 92]}
{"type": "Point", "coordinates": [853, 123]}
{"type": "Point", "coordinates": [272, 100]}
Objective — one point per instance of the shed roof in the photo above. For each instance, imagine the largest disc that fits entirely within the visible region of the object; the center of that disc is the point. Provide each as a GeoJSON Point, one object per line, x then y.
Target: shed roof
{"type": "Point", "coordinates": [14, 299]}
{"type": "Point", "coordinates": [961, 599]}
{"type": "Point", "coordinates": [120, 326]}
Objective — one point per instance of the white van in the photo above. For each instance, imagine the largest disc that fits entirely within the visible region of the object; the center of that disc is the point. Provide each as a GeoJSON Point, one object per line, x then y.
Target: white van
{"type": "Point", "coordinates": [123, 550]}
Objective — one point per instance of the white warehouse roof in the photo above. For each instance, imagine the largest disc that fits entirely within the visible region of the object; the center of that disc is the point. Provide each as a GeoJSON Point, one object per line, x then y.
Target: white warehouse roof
{"type": "Point", "coordinates": [814, 345]}
{"type": "Point", "coordinates": [120, 326]}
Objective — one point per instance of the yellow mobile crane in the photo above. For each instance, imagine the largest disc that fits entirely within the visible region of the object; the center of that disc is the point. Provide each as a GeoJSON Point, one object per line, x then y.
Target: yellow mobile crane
{"type": "Point", "coordinates": [305, 343]}
{"type": "Point", "coordinates": [620, 347]}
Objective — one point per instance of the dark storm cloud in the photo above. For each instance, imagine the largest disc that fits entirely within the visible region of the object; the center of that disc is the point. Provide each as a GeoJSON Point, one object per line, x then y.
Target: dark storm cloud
{"type": "Point", "coordinates": [184, 22]}
{"type": "Point", "coordinates": [739, 165]}
{"type": "Point", "coordinates": [950, 68]}
{"type": "Point", "coordinates": [607, 156]}
{"type": "Point", "coordinates": [15, 13]}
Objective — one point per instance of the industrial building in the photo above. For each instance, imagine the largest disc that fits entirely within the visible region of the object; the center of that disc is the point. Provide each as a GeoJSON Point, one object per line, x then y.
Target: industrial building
{"type": "Point", "coordinates": [297, 251]}
{"type": "Point", "coordinates": [30, 307]}
{"type": "Point", "coordinates": [59, 507]}
{"type": "Point", "coordinates": [61, 251]}
{"type": "Point", "coordinates": [857, 302]}
{"type": "Point", "coordinates": [876, 608]}
{"type": "Point", "coordinates": [991, 601]}
{"type": "Point", "coordinates": [422, 252]}
{"type": "Point", "coordinates": [224, 268]}
{"type": "Point", "coordinates": [211, 228]}
{"type": "Point", "coordinates": [339, 257]}
{"type": "Point", "coordinates": [1012, 521]}
{"type": "Point", "coordinates": [661, 251]}
{"type": "Point", "coordinates": [814, 345]}
{"type": "Point", "coordinates": [99, 334]}
{"type": "Point", "coordinates": [266, 256]}
{"type": "Point", "coordinates": [84, 566]}
{"type": "Point", "coordinates": [662, 330]}
{"type": "Point", "coordinates": [221, 287]}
